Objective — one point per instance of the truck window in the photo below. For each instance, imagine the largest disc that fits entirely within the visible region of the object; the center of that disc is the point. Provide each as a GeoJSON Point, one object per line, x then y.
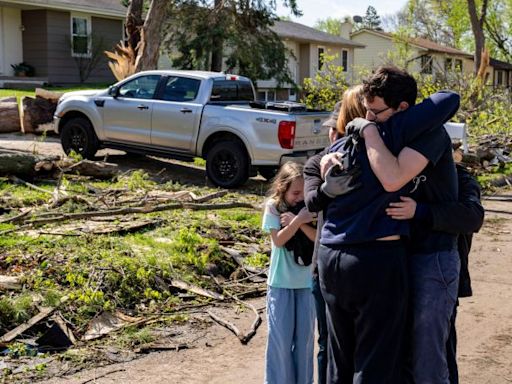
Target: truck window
{"type": "Point", "coordinates": [181, 89]}
{"type": "Point", "coordinates": [142, 87]}
{"type": "Point", "coordinates": [229, 90]}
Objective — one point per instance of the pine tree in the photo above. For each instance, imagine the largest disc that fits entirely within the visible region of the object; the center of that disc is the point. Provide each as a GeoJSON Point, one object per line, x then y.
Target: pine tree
{"type": "Point", "coordinates": [371, 20]}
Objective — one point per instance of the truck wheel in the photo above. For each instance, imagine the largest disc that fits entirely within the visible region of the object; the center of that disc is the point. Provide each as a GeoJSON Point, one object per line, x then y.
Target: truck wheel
{"type": "Point", "coordinates": [268, 172]}
{"type": "Point", "coordinates": [78, 135]}
{"type": "Point", "coordinates": [227, 164]}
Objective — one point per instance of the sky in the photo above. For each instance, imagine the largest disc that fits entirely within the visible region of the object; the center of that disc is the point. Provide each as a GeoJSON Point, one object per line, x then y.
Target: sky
{"type": "Point", "coordinates": [314, 10]}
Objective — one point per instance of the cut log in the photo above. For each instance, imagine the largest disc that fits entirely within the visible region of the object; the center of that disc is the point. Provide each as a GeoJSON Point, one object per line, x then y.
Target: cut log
{"type": "Point", "coordinates": [48, 95]}
{"type": "Point", "coordinates": [9, 115]}
{"type": "Point", "coordinates": [35, 111]}
{"type": "Point", "coordinates": [17, 163]}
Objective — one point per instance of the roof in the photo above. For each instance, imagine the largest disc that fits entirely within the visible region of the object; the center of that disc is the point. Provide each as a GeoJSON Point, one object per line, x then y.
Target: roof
{"type": "Point", "coordinates": [498, 64]}
{"type": "Point", "coordinates": [112, 8]}
{"type": "Point", "coordinates": [421, 43]}
{"type": "Point", "coordinates": [300, 32]}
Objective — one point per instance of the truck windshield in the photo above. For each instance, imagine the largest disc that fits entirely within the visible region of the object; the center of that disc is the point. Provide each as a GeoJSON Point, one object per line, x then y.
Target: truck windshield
{"type": "Point", "coordinates": [229, 90]}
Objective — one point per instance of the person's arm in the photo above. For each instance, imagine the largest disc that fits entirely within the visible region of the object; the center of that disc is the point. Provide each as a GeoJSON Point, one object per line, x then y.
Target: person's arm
{"type": "Point", "coordinates": [395, 171]}
{"type": "Point", "coordinates": [461, 217]}
{"type": "Point", "coordinates": [280, 237]}
{"type": "Point", "coordinates": [314, 198]}
{"type": "Point", "coordinates": [309, 231]}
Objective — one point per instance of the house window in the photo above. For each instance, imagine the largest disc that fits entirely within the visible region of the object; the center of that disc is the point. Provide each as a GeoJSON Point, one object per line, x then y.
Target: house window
{"type": "Point", "coordinates": [80, 35]}
{"type": "Point", "coordinates": [458, 65]}
{"type": "Point", "coordinates": [448, 64]}
{"type": "Point", "coordinates": [321, 51]}
{"type": "Point", "coordinates": [344, 60]}
{"type": "Point", "coordinates": [266, 95]}
{"type": "Point", "coordinates": [426, 64]}
{"type": "Point", "coordinates": [500, 78]}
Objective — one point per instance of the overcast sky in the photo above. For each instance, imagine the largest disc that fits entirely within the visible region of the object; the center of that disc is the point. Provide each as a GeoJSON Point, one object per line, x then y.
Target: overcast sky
{"type": "Point", "coordinates": [314, 10]}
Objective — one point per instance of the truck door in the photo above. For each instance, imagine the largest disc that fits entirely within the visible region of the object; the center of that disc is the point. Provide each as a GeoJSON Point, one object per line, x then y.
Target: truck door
{"type": "Point", "coordinates": [127, 117]}
{"type": "Point", "coordinates": [176, 114]}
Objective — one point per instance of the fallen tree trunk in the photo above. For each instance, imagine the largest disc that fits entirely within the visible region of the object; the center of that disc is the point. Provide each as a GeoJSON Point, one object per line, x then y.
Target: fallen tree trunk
{"type": "Point", "coordinates": [9, 115]}
{"type": "Point", "coordinates": [36, 111]}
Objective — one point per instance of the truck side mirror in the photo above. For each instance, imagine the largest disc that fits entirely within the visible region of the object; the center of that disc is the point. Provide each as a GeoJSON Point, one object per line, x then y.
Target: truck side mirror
{"type": "Point", "coordinates": [113, 91]}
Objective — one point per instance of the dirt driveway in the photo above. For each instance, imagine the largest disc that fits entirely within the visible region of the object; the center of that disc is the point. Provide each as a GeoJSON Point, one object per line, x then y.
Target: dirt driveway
{"type": "Point", "coordinates": [484, 321]}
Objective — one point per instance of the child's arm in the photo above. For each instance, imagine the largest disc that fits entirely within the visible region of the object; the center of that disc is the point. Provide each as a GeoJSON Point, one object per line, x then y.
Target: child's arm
{"type": "Point", "coordinates": [309, 231]}
{"type": "Point", "coordinates": [280, 237]}
{"type": "Point", "coordinates": [314, 198]}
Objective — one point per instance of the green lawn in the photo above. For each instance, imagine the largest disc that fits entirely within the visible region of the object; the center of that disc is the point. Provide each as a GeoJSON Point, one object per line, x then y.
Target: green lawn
{"type": "Point", "coordinates": [6, 92]}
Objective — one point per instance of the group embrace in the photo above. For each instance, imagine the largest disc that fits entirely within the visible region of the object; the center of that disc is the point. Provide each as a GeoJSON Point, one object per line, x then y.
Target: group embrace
{"type": "Point", "coordinates": [371, 237]}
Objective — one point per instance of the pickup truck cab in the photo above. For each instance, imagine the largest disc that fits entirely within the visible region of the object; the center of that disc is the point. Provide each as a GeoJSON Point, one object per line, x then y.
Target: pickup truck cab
{"type": "Point", "coordinates": [187, 114]}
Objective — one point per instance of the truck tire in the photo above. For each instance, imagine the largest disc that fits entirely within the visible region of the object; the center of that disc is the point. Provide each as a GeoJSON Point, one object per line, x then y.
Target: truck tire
{"type": "Point", "coordinates": [268, 172]}
{"type": "Point", "coordinates": [227, 164]}
{"type": "Point", "coordinates": [78, 135]}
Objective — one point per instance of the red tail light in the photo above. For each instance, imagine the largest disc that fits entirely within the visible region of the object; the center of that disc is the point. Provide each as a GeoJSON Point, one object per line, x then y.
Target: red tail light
{"type": "Point", "coordinates": [286, 134]}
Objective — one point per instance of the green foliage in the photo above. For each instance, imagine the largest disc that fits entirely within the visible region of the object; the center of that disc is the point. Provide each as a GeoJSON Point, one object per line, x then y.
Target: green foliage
{"type": "Point", "coordinates": [199, 162]}
{"type": "Point", "coordinates": [371, 19]}
{"type": "Point", "coordinates": [137, 179]}
{"type": "Point", "coordinates": [14, 311]}
{"type": "Point", "coordinates": [330, 25]}
{"type": "Point", "coordinates": [258, 260]}
{"type": "Point", "coordinates": [239, 32]}
{"type": "Point", "coordinates": [326, 88]}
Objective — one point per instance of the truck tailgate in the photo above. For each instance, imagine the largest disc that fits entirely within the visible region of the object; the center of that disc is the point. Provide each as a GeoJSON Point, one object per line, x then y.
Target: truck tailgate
{"type": "Point", "coordinates": [309, 133]}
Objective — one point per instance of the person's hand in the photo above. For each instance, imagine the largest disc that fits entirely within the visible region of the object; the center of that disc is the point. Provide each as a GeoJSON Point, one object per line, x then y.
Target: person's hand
{"type": "Point", "coordinates": [339, 181]}
{"type": "Point", "coordinates": [357, 126]}
{"type": "Point", "coordinates": [286, 218]}
{"type": "Point", "coordinates": [328, 161]}
{"type": "Point", "coordinates": [304, 216]}
{"type": "Point", "coordinates": [403, 210]}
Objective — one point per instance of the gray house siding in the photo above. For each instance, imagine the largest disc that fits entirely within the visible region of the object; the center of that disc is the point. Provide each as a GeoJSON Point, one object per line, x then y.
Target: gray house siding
{"type": "Point", "coordinates": [35, 41]}
{"type": "Point", "coordinates": [48, 46]}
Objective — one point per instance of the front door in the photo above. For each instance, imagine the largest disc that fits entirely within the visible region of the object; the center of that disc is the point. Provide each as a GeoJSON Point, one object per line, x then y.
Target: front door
{"type": "Point", "coordinates": [127, 117]}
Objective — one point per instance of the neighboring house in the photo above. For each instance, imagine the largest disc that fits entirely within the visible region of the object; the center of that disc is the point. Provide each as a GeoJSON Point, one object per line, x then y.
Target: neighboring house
{"type": "Point", "coordinates": [501, 73]}
{"type": "Point", "coordinates": [307, 45]}
{"type": "Point", "coordinates": [426, 57]}
{"type": "Point", "coordinates": [54, 35]}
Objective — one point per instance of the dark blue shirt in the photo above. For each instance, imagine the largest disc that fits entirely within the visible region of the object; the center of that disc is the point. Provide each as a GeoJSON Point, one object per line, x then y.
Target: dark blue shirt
{"type": "Point", "coordinates": [360, 216]}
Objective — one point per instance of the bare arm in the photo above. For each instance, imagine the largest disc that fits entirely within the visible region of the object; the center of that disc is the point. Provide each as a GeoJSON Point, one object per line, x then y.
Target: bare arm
{"type": "Point", "coordinates": [281, 237]}
{"type": "Point", "coordinates": [393, 172]}
{"type": "Point", "coordinates": [309, 231]}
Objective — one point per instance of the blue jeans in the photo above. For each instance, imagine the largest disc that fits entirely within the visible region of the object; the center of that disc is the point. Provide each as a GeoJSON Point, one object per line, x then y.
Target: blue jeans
{"type": "Point", "coordinates": [321, 322]}
{"type": "Point", "coordinates": [291, 323]}
{"type": "Point", "coordinates": [434, 280]}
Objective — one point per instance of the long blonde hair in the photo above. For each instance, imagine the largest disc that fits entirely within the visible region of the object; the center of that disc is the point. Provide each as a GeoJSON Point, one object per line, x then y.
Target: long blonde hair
{"type": "Point", "coordinates": [288, 173]}
{"type": "Point", "coordinates": [351, 107]}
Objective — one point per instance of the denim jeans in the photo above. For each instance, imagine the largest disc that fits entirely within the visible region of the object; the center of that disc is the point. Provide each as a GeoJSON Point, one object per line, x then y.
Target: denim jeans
{"type": "Point", "coordinates": [451, 350]}
{"type": "Point", "coordinates": [291, 326]}
{"type": "Point", "coordinates": [321, 322]}
{"type": "Point", "coordinates": [434, 280]}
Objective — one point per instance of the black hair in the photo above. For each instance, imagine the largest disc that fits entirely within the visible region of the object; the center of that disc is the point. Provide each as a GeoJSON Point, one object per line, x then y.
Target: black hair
{"type": "Point", "coordinates": [393, 84]}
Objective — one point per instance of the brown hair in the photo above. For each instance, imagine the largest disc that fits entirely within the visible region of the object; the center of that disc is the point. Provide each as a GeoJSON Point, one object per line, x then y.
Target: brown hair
{"type": "Point", "coordinates": [393, 84]}
{"type": "Point", "coordinates": [288, 172]}
{"type": "Point", "coordinates": [351, 107]}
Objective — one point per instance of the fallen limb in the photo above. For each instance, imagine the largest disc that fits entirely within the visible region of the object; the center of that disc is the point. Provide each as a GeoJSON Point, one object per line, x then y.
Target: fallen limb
{"type": "Point", "coordinates": [11, 335]}
{"type": "Point", "coordinates": [129, 210]}
{"type": "Point", "coordinates": [239, 259]}
{"type": "Point", "coordinates": [10, 282]}
{"type": "Point", "coordinates": [17, 180]}
{"type": "Point", "coordinates": [195, 289]}
{"type": "Point", "coordinates": [17, 217]}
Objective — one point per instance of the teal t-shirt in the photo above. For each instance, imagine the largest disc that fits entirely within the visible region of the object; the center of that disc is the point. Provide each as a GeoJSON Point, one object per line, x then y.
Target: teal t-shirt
{"type": "Point", "coordinates": [284, 272]}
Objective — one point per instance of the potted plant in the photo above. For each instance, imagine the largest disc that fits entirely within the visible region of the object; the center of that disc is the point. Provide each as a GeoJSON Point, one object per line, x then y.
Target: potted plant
{"type": "Point", "coordinates": [23, 69]}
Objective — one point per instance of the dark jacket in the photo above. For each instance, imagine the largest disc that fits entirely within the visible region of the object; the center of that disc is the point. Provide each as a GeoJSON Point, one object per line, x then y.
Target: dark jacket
{"type": "Point", "coordinates": [463, 218]}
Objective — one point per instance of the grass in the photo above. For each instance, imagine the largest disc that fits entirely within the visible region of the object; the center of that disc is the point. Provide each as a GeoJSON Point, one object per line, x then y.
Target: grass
{"type": "Point", "coordinates": [19, 93]}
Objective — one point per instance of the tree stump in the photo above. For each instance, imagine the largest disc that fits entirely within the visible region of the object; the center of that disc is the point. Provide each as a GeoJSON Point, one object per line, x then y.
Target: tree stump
{"type": "Point", "coordinates": [9, 115]}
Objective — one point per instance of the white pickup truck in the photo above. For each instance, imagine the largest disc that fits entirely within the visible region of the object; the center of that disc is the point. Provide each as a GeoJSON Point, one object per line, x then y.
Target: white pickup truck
{"type": "Point", "coordinates": [187, 114]}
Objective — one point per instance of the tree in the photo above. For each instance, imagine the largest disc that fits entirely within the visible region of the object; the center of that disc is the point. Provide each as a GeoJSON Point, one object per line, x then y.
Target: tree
{"type": "Point", "coordinates": [477, 25]}
{"type": "Point", "coordinates": [238, 32]}
{"type": "Point", "coordinates": [330, 25]}
{"type": "Point", "coordinates": [371, 20]}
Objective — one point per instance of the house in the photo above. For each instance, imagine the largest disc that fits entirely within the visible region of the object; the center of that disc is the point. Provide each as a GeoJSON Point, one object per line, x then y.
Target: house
{"type": "Point", "coordinates": [307, 45]}
{"type": "Point", "coordinates": [59, 38]}
{"type": "Point", "coordinates": [501, 73]}
{"type": "Point", "coordinates": [425, 56]}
